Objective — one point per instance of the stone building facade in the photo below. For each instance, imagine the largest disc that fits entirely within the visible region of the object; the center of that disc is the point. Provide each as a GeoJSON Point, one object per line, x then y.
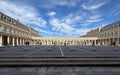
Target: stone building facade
{"type": "Point", "coordinates": [107, 34]}
{"type": "Point", "coordinates": [12, 32]}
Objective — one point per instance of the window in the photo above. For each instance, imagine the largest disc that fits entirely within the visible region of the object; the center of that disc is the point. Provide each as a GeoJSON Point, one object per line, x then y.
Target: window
{"type": "Point", "coordinates": [10, 30]}
{"type": "Point", "coordinates": [0, 28]}
{"type": "Point", "coordinates": [105, 35]}
{"type": "Point", "coordinates": [111, 33]}
{"type": "Point", "coordinates": [10, 20]}
{"type": "Point", "coordinates": [5, 28]}
{"type": "Point", "coordinates": [14, 31]}
{"type": "Point", "coordinates": [4, 18]}
{"type": "Point", "coordinates": [116, 33]}
{"type": "Point", "coordinates": [14, 22]}
{"type": "Point", "coordinates": [108, 34]}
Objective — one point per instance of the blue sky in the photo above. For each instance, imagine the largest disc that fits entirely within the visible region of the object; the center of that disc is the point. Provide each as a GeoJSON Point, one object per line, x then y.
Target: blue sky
{"type": "Point", "coordinates": [63, 18]}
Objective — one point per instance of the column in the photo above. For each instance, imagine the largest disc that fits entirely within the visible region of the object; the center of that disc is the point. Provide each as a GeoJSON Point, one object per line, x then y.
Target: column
{"type": "Point", "coordinates": [13, 41]}
{"type": "Point", "coordinates": [104, 41]}
{"type": "Point", "coordinates": [23, 41]}
{"type": "Point", "coordinates": [1, 38]}
{"type": "Point", "coordinates": [8, 40]}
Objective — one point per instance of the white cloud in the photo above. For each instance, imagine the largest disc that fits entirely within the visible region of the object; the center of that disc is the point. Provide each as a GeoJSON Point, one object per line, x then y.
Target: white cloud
{"type": "Point", "coordinates": [51, 14]}
{"type": "Point", "coordinates": [68, 25]}
{"type": "Point", "coordinates": [61, 27]}
{"type": "Point", "coordinates": [71, 19]}
{"type": "Point", "coordinates": [93, 4]}
{"type": "Point", "coordinates": [95, 16]}
{"type": "Point", "coordinates": [54, 3]}
{"type": "Point", "coordinates": [81, 31]}
{"type": "Point", "coordinates": [85, 24]}
{"type": "Point", "coordinates": [74, 24]}
{"type": "Point", "coordinates": [94, 20]}
{"type": "Point", "coordinates": [26, 14]}
{"type": "Point", "coordinates": [43, 31]}
{"type": "Point", "coordinates": [115, 11]}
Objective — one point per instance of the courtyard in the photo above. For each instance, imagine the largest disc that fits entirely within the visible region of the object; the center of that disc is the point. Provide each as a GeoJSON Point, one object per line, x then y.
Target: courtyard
{"type": "Point", "coordinates": [60, 51]}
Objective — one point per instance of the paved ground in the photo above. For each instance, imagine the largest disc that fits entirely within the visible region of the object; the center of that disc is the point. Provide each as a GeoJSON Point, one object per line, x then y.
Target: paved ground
{"type": "Point", "coordinates": [61, 71]}
{"type": "Point", "coordinates": [56, 51]}
{"type": "Point", "coordinates": [62, 51]}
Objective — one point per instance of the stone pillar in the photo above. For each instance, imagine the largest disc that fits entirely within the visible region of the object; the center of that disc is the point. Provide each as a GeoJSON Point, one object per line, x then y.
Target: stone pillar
{"type": "Point", "coordinates": [104, 41]}
{"type": "Point", "coordinates": [23, 41]}
{"type": "Point", "coordinates": [1, 38]}
{"type": "Point", "coordinates": [47, 42]}
{"type": "Point", "coordinates": [8, 40]}
{"type": "Point", "coordinates": [13, 41]}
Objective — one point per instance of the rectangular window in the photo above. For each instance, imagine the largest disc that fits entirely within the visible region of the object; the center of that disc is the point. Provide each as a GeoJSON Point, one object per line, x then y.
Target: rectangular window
{"type": "Point", "coordinates": [105, 35]}
{"type": "Point", "coordinates": [108, 34]}
{"type": "Point", "coordinates": [10, 30]}
{"type": "Point", "coordinates": [5, 28]}
{"type": "Point", "coordinates": [111, 33]}
{"type": "Point", "coordinates": [0, 28]}
{"type": "Point", "coordinates": [2, 17]}
{"type": "Point", "coordinates": [14, 31]}
{"type": "Point", "coordinates": [116, 33]}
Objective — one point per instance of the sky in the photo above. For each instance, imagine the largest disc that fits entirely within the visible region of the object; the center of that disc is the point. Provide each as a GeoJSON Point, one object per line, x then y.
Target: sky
{"type": "Point", "coordinates": [63, 18]}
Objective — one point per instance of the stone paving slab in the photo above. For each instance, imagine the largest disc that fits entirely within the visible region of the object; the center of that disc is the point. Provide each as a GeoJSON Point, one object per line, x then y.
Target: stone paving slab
{"type": "Point", "coordinates": [37, 51]}
{"type": "Point", "coordinates": [61, 71]}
